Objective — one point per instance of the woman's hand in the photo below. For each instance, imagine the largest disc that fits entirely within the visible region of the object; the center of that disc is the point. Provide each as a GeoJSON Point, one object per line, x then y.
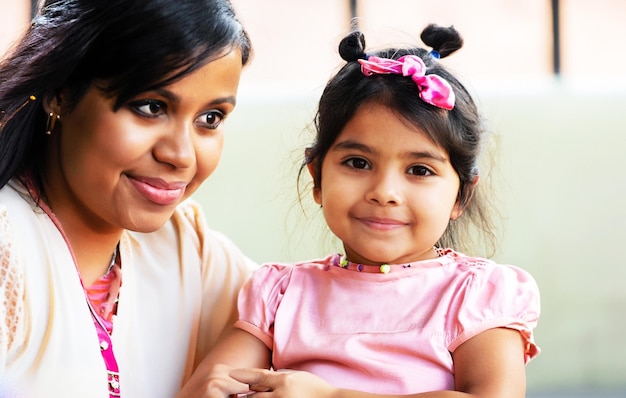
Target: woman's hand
{"type": "Point", "coordinates": [237, 349]}
{"type": "Point", "coordinates": [283, 384]}
{"type": "Point", "coordinates": [219, 385]}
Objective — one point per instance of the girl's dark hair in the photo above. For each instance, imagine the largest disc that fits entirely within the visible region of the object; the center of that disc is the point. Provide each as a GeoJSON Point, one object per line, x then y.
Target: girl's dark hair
{"type": "Point", "coordinates": [127, 46]}
{"type": "Point", "coordinates": [458, 131]}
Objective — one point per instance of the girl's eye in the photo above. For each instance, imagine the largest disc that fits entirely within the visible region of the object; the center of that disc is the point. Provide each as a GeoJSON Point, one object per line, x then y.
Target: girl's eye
{"type": "Point", "coordinates": [419, 171]}
{"type": "Point", "coordinates": [212, 119]}
{"type": "Point", "coordinates": [357, 163]}
{"type": "Point", "coordinates": [149, 108]}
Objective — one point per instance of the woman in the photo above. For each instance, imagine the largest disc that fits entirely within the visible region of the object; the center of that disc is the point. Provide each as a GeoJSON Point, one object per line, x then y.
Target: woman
{"type": "Point", "coordinates": [112, 116]}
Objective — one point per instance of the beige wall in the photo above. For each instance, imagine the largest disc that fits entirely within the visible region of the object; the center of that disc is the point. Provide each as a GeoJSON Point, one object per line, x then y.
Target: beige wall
{"type": "Point", "coordinates": [560, 169]}
{"type": "Point", "coordinates": [14, 17]}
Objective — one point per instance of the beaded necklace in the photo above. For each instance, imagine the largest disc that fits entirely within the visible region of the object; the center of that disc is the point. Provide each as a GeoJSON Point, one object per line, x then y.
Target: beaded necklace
{"type": "Point", "coordinates": [343, 262]}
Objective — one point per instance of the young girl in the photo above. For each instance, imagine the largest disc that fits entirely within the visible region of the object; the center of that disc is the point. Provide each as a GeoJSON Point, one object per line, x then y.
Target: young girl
{"type": "Point", "coordinates": [394, 167]}
{"type": "Point", "coordinates": [111, 282]}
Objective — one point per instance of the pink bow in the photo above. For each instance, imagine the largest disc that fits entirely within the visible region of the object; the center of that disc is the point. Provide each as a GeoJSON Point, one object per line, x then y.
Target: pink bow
{"type": "Point", "coordinates": [432, 89]}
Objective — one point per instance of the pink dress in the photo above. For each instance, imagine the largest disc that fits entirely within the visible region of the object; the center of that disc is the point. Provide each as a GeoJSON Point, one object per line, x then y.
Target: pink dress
{"type": "Point", "coordinates": [389, 333]}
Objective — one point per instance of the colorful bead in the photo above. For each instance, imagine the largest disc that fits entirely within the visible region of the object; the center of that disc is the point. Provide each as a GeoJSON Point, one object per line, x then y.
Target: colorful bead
{"type": "Point", "coordinates": [343, 262]}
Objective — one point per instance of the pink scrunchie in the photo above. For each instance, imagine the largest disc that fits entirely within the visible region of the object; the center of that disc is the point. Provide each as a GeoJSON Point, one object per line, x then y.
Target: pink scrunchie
{"type": "Point", "coordinates": [433, 89]}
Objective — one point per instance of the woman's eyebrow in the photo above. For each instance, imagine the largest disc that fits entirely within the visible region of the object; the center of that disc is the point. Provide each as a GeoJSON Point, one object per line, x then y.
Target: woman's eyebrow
{"type": "Point", "coordinates": [175, 98]}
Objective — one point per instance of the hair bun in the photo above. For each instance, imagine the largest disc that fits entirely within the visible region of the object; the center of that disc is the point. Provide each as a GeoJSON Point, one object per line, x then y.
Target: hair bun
{"type": "Point", "coordinates": [352, 47]}
{"type": "Point", "coordinates": [444, 40]}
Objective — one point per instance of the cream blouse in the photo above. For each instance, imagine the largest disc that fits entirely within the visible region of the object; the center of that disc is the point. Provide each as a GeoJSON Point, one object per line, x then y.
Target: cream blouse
{"type": "Point", "coordinates": [178, 294]}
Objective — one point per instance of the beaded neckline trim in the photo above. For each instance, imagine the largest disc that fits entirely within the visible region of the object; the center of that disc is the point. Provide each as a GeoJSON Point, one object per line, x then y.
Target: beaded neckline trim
{"type": "Point", "coordinates": [343, 262]}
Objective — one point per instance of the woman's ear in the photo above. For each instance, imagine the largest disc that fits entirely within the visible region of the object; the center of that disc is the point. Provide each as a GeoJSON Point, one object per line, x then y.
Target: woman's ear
{"type": "Point", "coordinates": [466, 193]}
{"type": "Point", "coordinates": [54, 103]}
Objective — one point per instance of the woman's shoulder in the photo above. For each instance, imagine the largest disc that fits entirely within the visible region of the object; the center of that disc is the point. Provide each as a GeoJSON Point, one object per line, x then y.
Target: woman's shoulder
{"type": "Point", "coordinates": [187, 221]}
{"type": "Point", "coordinates": [190, 212]}
{"type": "Point", "coordinates": [18, 216]}
{"type": "Point", "coordinates": [14, 199]}
{"type": "Point", "coordinates": [11, 269]}
{"type": "Point", "coordinates": [187, 232]}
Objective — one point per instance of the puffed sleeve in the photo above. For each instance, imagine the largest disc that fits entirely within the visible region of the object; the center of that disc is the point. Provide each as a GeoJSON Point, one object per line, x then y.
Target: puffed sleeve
{"type": "Point", "coordinates": [494, 295]}
{"type": "Point", "coordinates": [259, 299]}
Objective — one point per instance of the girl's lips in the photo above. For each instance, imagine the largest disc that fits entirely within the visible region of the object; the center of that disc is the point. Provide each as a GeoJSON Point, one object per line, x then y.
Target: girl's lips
{"type": "Point", "coordinates": [158, 191]}
{"type": "Point", "coordinates": [382, 223]}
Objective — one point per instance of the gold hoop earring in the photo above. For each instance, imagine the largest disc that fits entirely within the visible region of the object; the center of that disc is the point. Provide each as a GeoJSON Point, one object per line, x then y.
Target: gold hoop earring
{"type": "Point", "coordinates": [52, 120]}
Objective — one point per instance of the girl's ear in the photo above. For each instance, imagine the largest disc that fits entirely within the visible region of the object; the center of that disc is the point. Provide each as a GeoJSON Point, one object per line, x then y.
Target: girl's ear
{"type": "Point", "coordinates": [317, 190]}
{"type": "Point", "coordinates": [465, 196]}
{"type": "Point", "coordinates": [312, 166]}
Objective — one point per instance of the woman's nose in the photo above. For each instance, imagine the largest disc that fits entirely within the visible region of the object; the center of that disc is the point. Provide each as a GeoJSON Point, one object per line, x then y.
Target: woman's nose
{"type": "Point", "coordinates": [176, 147]}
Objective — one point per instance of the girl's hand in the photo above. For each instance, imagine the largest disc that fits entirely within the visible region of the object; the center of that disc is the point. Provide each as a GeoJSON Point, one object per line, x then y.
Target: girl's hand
{"type": "Point", "coordinates": [283, 384]}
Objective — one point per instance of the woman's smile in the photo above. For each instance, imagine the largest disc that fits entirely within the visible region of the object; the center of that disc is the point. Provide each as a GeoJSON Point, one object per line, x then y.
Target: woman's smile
{"type": "Point", "coordinates": [158, 191]}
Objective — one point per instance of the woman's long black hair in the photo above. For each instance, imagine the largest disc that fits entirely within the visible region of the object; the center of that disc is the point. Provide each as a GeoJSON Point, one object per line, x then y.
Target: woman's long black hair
{"type": "Point", "coordinates": [130, 45]}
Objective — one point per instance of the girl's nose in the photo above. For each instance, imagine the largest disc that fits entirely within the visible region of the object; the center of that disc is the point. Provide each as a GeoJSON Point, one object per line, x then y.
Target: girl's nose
{"type": "Point", "coordinates": [176, 147]}
{"type": "Point", "coordinates": [385, 190]}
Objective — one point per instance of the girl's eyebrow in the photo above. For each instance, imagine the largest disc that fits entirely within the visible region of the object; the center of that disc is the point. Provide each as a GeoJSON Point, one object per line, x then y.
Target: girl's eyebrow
{"type": "Point", "coordinates": [354, 145]}
{"type": "Point", "coordinates": [427, 155]}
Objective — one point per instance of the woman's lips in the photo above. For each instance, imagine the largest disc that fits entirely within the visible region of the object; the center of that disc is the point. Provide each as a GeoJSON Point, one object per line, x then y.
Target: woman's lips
{"type": "Point", "coordinates": [158, 191]}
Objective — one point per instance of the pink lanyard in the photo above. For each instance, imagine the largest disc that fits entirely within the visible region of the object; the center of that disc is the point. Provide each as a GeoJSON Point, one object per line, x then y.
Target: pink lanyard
{"type": "Point", "coordinates": [106, 345]}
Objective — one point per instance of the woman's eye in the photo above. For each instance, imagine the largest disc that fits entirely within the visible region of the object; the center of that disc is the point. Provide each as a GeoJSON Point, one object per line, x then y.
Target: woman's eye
{"type": "Point", "coordinates": [149, 108]}
{"type": "Point", "coordinates": [419, 171]}
{"type": "Point", "coordinates": [357, 163]}
{"type": "Point", "coordinates": [212, 119]}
